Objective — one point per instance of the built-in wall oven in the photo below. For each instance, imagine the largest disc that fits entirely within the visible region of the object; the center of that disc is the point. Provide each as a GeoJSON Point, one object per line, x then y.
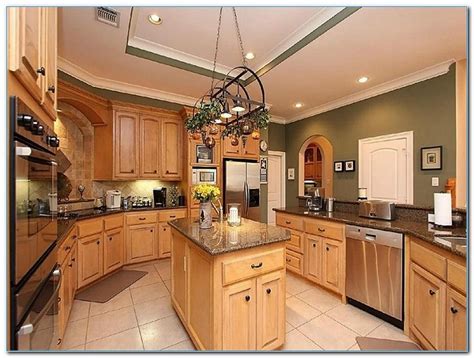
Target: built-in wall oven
{"type": "Point", "coordinates": [32, 223]}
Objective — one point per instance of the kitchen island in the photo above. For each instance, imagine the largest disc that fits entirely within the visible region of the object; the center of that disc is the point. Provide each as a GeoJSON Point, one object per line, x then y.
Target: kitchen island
{"type": "Point", "coordinates": [228, 284]}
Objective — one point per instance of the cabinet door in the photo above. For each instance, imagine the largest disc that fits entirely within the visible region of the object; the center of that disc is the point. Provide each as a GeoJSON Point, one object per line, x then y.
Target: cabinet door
{"type": "Point", "coordinates": [149, 146]}
{"type": "Point", "coordinates": [141, 243]}
{"type": "Point", "coordinates": [271, 310]}
{"type": "Point", "coordinates": [231, 150]}
{"type": "Point", "coordinates": [309, 171]}
{"type": "Point", "coordinates": [456, 324]}
{"type": "Point", "coordinates": [24, 47]}
{"type": "Point", "coordinates": [63, 298]}
{"type": "Point", "coordinates": [164, 240]}
{"type": "Point", "coordinates": [73, 277]}
{"type": "Point", "coordinates": [126, 144]}
{"type": "Point", "coordinates": [313, 258]}
{"type": "Point", "coordinates": [251, 148]}
{"type": "Point", "coordinates": [239, 316]}
{"type": "Point", "coordinates": [50, 47]}
{"type": "Point", "coordinates": [172, 149]}
{"type": "Point", "coordinates": [427, 307]}
{"type": "Point", "coordinates": [178, 274]}
{"type": "Point", "coordinates": [90, 257]}
{"type": "Point", "coordinates": [113, 250]}
{"type": "Point", "coordinates": [333, 265]}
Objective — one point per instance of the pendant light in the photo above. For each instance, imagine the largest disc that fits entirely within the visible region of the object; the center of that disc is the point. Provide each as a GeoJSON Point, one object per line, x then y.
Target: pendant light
{"type": "Point", "coordinates": [238, 106]}
{"type": "Point", "coordinates": [225, 111]}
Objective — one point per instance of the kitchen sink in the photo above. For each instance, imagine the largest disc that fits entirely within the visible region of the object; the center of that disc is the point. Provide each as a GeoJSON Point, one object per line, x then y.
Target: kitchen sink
{"type": "Point", "coordinates": [454, 242]}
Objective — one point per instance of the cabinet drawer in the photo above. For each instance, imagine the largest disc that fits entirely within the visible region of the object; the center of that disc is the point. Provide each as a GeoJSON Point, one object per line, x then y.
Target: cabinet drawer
{"type": "Point", "coordinates": [113, 221]}
{"type": "Point", "coordinates": [429, 260]}
{"type": "Point", "coordinates": [67, 246]}
{"type": "Point", "coordinates": [457, 276]}
{"type": "Point", "coordinates": [296, 241]}
{"type": "Point", "coordinates": [167, 215]}
{"type": "Point", "coordinates": [141, 218]}
{"type": "Point", "coordinates": [89, 227]}
{"type": "Point", "coordinates": [290, 221]}
{"type": "Point", "coordinates": [250, 266]}
{"type": "Point", "coordinates": [324, 228]}
{"type": "Point", "coordinates": [294, 261]}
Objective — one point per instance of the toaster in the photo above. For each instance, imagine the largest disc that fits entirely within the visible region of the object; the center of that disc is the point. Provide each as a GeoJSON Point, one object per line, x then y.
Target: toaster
{"type": "Point", "coordinates": [112, 199]}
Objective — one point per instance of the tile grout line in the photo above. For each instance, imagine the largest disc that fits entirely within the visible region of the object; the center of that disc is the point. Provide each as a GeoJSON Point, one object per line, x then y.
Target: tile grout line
{"type": "Point", "coordinates": [310, 338]}
{"type": "Point", "coordinates": [138, 326]}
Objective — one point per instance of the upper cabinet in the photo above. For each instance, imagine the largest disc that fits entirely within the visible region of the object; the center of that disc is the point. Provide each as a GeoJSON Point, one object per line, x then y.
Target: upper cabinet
{"type": "Point", "coordinates": [32, 52]}
{"type": "Point", "coordinates": [141, 143]}
{"type": "Point", "coordinates": [246, 149]}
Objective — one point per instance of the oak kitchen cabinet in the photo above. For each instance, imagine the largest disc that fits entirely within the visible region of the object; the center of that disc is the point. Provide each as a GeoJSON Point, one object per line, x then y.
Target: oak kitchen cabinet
{"type": "Point", "coordinates": [248, 149]}
{"type": "Point", "coordinates": [91, 256]}
{"type": "Point", "coordinates": [141, 237]}
{"type": "Point", "coordinates": [436, 297]}
{"type": "Point", "coordinates": [316, 250]}
{"type": "Point", "coordinates": [164, 230]}
{"type": "Point", "coordinates": [32, 52]}
{"type": "Point", "coordinates": [140, 143]}
{"type": "Point", "coordinates": [224, 301]}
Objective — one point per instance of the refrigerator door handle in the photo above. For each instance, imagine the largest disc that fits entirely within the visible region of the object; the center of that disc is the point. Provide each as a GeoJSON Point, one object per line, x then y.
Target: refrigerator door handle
{"type": "Point", "coordinates": [246, 199]}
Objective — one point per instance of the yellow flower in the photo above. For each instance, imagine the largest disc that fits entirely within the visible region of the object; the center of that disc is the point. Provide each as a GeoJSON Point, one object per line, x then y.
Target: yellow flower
{"type": "Point", "coordinates": [205, 192]}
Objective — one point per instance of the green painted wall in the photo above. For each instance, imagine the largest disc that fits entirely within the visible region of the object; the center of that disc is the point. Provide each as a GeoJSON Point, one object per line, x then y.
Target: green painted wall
{"type": "Point", "coordinates": [276, 137]}
{"type": "Point", "coordinates": [426, 108]}
{"type": "Point", "coordinates": [119, 96]}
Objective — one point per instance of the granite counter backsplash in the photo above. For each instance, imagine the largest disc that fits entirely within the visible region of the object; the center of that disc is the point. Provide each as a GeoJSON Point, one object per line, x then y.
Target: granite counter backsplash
{"type": "Point", "coordinates": [419, 229]}
{"type": "Point", "coordinates": [222, 238]}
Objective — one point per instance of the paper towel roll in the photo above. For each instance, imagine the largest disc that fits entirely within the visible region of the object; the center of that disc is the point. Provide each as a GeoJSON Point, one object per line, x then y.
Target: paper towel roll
{"type": "Point", "coordinates": [442, 209]}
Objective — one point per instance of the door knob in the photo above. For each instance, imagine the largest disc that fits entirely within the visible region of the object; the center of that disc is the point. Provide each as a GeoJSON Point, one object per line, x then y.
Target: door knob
{"type": "Point", "coordinates": [51, 89]}
{"type": "Point", "coordinates": [41, 71]}
{"type": "Point", "coordinates": [269, 290]}
{"type": "Point", "coordinates": [247, 298]}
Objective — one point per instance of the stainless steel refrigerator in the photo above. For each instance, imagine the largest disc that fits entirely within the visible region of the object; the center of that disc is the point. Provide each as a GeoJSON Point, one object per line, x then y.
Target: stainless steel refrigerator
{"type": "Point", "coordinates": [242, 185]}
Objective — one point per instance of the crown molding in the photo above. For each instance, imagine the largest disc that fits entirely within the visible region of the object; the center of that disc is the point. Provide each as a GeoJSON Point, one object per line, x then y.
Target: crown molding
{"type": "Point", "coordinates": [410, 79]}
{"type": "Point", "coordinates": [277, 119]}
{"type": "Point", "coordinates": [128, 88]}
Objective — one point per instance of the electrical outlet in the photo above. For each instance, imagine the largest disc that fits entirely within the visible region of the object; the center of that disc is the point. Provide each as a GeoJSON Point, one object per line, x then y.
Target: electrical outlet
{"type": "Point", "coordinates": [434, 181]}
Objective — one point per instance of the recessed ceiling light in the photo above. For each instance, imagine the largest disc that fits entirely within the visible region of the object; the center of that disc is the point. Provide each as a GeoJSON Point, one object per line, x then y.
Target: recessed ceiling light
{"type": "Point", "coordinates": [298, 105]}
{"type": "Point", "coordinates": [363, 79]}
{"type": "Point", "coordinates": [155, 19]}
{"type": "Point", "coordinates": [249, 56]}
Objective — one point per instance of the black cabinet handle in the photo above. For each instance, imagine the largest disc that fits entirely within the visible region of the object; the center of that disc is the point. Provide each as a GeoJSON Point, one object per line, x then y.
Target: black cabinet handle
{"type": "Point", "coordinates": [247, 298]}
{"type": "Point", "coordinates": [321, 230]}
{"type": "Point", "coordinates": [164, 229]}
{"type": "Point", "coordinates": [454, 310]}
{"type": "Point", "coordinates": [132, 171]}
{"type": "Point", "coordinates": [172, 216]}
{"type": "Point", "coordinates": [98, 242]}
{"type": "Point", "coordinates": [432, 292]}
{"type": "Point", "coordinates": [59, 299]}
{"type": "Point", "coordinates": [167, 172]}
{"type": "Point", "coordinates": [155, 171]}
{"type": "Point", "coordinates": [67, 248]}
{"type": "Point", "coordinates": [151, 230]}
{"type": "Point", "coordinates": [314, 245]}
{"type": "Point", "coordinates": [256, 266]}
{"type": "Point", "coordinates": [288, 260]}
{"type": "Point", "coordinates": [41, 71]}
{"type": "Point", "coordinates": [73, 260]}
{"type": "Point", "coordinates": [74, 237]}
{"type": "Point", "coordinates": [70, 265]}
{"type": "Point", "coordinates": [51, 89]}
{"type": "Point", "coordinates": [327, 248]}
{"type": "Point", "coordinates": [269, 290]}
{"type": "Point", "coordinates": [110, 239]}
{"type": "Point", "coordinates": [288, 222]}
{"type": "Point", "coordinates": [59, 341]}
{"type": "Point", "coordinates": [141, 218]}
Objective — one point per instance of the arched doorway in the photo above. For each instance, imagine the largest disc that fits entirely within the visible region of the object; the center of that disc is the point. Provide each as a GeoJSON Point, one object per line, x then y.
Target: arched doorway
{"type": "Point", "coordinates": [316, 155]}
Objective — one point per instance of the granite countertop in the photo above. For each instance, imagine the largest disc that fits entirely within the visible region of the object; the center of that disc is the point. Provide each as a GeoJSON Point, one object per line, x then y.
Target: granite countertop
{"type": "Point", "coordinates": [66, 223]}
{"type": "Point", "coordinates": [421, 230]}
{"type": "Point", "coordinates": [222, 238]}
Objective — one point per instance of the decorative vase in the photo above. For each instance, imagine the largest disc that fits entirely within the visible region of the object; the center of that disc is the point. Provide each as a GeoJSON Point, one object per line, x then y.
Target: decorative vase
{"type": "Point", "coordinates": [205, 217]}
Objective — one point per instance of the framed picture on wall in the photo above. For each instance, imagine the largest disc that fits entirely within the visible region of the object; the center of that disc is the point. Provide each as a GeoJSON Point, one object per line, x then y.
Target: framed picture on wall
{"type": "Point", "coordinates": [349, 165]}
{"type": "Point", "coordinates": [339, 166]}
{"type": "Point", "coordinates": [432, 158]}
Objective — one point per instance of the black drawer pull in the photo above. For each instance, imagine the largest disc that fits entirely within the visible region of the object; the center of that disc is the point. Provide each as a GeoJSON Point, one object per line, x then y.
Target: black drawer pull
{"type": "Point", "coordinates": [132, 171]}
{"type": "Point", "coordinates": [454, 310]}
{"type": "Point", "coordinates": [314, 245]}
{"type": "Point", "coordinates": [327, 248]}
{"type": "Point", "coordinates": [51, 89]}
{"type": "Point", "coordinates": [256, 266]}
{"type": "Point", "coordinates": [269, 290]}
{"type": "Point", "coordinates": [288, 260]}
{"type": "Point", "coordinates": [155, 171]}
{"type": "Point", "coordinates": [59, 341]}
{"type": "Point", "coordinates": [151, 230]}
{"type": "Point", "coordinates": [172, 216]}
{"type": "Point", "coordinates": [73, 260]}
{"type": "Point", "coordinates": [70, 265]}
{"type": "Point", "coordinates": [142, 219]}
{"type": "Point", "coordinates": [67, 248]}
{"type": "Point", "coordinates": [110, 239]}
{"type": "Point", "coordinates": [287, 222]}
{"type": "Point", "coordinates": [321, 230]}
{"type": "Point", "coordinates": [98, 242]}
{"type": "Point", "coordinates": [41, 71]}
{"type": "Point", "coordinates": [247, 298]}
{"type": "Point", "coordinates": [432, 292]}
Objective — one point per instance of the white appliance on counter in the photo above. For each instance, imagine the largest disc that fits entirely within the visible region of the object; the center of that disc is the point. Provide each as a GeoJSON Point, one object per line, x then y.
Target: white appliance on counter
{"type": "Point", "coordinates": [112, 199]}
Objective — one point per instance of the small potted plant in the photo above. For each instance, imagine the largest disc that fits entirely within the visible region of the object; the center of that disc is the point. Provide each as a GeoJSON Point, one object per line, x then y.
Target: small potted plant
{"type": "Point", "coordinates": [205, 193]}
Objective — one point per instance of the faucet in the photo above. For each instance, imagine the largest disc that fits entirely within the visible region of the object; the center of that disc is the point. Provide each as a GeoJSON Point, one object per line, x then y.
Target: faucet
{"type": "Point", "coordinates": [219, 210]}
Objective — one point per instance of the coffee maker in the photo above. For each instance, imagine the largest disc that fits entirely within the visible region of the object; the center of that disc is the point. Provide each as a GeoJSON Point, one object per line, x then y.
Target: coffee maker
{"type": "Point", "coordinates": [159, 197]}
{"type": "Point", "coordinates": [316, 202]}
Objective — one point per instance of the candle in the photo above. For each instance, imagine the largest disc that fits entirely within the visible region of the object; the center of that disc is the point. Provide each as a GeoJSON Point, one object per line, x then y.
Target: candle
{"type": "Point", "coordinates": [233, 217]}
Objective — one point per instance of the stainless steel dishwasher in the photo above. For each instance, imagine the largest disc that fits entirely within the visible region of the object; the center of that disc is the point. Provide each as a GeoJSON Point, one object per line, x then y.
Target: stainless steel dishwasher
{"type": "Point", "coordinates": [374, 272]}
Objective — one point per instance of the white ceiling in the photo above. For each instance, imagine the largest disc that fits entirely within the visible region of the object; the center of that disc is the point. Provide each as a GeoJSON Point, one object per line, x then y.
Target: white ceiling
{"type": "Point", "coordinates": [382, 43]}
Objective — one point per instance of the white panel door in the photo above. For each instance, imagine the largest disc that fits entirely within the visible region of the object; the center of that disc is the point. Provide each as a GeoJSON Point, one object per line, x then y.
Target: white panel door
{"type": "Point", "coordinates": [275, 187]}
{"type": "Point", "coordinates": [386, 168]}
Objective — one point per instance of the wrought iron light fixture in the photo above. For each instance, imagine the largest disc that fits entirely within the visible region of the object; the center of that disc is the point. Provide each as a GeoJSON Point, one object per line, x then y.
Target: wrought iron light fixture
{"type": "Point", "coordinates": [228, 103]}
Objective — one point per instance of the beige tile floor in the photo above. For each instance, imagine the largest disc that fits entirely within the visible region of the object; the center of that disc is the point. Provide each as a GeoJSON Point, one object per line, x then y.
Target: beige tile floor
{"type": "Point", "coordinates": [142, 318]}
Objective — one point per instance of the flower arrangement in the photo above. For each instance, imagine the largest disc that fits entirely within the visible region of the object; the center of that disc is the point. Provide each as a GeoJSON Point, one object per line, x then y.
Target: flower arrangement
{"type": "Point", "coordinates": [205, 192]}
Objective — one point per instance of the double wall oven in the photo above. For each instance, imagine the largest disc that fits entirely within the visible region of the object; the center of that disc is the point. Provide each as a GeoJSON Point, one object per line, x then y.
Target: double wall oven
{"type": "Point", "coordinates": [34, 276]}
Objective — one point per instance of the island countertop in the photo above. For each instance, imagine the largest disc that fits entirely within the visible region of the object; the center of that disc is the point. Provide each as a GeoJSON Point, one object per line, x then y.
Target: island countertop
{"type": "Point", "coordinates": [223, 238]}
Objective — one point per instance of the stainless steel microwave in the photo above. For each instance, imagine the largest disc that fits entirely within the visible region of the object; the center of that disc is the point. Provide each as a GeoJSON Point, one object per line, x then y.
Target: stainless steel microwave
{"type": "Point", "coordinates": [204, 176]}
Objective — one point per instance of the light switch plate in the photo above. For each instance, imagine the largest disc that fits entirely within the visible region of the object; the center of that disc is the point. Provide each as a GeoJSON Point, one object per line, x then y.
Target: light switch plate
{"type": "Point", "coordinates": [434, 181]}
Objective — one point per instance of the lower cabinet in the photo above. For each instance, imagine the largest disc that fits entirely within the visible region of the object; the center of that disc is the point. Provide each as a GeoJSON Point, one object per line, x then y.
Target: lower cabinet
{"type": "Point", "coordinates": [456, 321]}
{"type": "Point", "coordinates": [67, 290]}
{"type": "Point", "coordinates": [113, 250]}
{"type": "Point", "coordinates": [313, 258]}
{"type": "Point", "coordinates": [333, 264]}
{"type": "Point", "coordinates": [164, 242]}
{"type": "Point", "coordinates": [141, 243]}
{"type": "Point", "coordinates": [90, 255]}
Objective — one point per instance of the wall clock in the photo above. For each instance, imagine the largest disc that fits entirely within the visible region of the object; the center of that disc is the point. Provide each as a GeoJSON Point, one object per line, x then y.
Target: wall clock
{"type": "Point", "coordinates": [263, 145]}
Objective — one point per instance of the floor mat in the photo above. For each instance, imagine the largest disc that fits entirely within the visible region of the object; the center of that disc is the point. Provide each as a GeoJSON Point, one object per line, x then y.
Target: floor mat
{"type": "Point", "coordinates": [378, 344]}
